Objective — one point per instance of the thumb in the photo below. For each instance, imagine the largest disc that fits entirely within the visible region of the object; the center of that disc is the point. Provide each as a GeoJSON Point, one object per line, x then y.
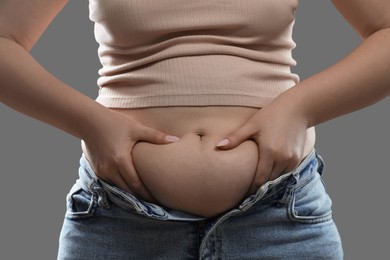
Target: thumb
{"type": "Point", "coordinates": [155, 136]}
{"type": "Point", "coordinates": [235, 138]}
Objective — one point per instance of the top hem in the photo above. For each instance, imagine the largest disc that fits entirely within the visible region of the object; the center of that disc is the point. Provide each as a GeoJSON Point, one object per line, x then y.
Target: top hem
{"type": "Point", "coordinates": [183, 100]}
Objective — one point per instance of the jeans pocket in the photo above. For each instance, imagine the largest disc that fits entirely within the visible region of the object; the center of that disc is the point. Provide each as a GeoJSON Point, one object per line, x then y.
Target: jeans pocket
{"type": "Point", "coordinates": [79, 203]}
{"type": "Point", "coordinates": [310, 203]}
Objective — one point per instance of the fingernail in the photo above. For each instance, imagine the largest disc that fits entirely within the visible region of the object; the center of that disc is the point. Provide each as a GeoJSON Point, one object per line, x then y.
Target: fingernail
{"type": "Point", "coordinates": [223, 142]}
{"type": "Point", "coordinates": [171, 138]}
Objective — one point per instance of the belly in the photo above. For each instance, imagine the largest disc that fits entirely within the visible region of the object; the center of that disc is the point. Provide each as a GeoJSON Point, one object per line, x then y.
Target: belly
{"type": "Point", "coordinates": [192, 175]}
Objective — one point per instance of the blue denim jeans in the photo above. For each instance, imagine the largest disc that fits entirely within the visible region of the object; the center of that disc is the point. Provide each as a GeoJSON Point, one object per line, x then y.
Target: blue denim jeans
{"type": "Point", "coordinates": [287, 218]}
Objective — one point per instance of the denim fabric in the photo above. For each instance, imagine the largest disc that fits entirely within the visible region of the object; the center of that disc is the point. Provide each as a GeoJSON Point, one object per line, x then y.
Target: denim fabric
{"type": "Point", "coordinates": [288, 218]}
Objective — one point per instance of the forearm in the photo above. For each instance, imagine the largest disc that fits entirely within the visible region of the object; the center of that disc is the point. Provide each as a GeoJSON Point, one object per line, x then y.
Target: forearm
{"type": "Point", "coordinates": [28, 88]}
{"type": "Point", "coordinates": [357, 81]}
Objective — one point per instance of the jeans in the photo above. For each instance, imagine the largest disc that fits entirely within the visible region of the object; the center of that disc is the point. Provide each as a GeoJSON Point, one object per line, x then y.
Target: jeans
{"type": "Point", "coordinates": [287, 218]}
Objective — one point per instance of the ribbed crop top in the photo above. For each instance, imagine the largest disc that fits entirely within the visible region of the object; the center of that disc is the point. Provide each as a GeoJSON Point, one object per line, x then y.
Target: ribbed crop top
{"type": "Point", "coordinates": [193, 53]}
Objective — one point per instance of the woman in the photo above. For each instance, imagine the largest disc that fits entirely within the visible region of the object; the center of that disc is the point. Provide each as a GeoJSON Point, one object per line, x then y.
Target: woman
{"type": "Point", "coordinates": [263, 143]}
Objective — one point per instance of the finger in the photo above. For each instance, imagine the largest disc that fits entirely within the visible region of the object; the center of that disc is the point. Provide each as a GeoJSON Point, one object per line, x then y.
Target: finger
{"type": "Point", "coordinates": [236, 137]}
{"type": "Point", "coordinates": [155, 136]}
{"type": "Point", "coordinates": [112, 177]}
{"type": "Point", "coordinates": [264, 169]}
{"type": "Point", "coordinates": [284, 163]}
{"type": "Point", "coordinates": [277, 170]}
{"type": "Point", "coordinates": [134, 182]}
{"type": "Point", "coordinates": [117, 180]}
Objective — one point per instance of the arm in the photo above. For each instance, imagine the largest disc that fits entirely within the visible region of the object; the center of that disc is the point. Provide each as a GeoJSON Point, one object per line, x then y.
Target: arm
{"type": "Point", "coordinates": [357, 81]}
{"type": "Point", "coordinates": [25, 85]}
{"type": "Point", "coordinates": [28, 88]}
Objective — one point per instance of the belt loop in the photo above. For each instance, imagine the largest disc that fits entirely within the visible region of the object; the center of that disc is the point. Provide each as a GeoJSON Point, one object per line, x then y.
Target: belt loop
{"type": "Point", "coordinates": [321, 164]}
{"type": "Point", "coordinates": [286, 197]}
{"type": "Point", "coordinates": [102, 196]}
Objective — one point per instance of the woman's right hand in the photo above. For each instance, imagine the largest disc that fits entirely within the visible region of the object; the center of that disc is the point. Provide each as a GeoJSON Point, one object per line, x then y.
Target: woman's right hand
{"type": "Point", "coordinates": [108, 146]}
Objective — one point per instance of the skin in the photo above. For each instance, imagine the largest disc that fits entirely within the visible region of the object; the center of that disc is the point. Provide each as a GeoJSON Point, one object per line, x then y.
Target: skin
{"type": "Point", "coordinates": [336, 91]}
{"type": "Point", "coordinates": [342, 88]}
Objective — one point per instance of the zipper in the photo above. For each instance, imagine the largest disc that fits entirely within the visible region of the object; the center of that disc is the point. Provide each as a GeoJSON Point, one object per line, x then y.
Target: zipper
{"type": "Point", "coordinates": [201, 229]}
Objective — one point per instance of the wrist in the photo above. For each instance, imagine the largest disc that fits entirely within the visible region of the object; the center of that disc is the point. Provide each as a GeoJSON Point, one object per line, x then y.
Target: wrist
{"type": "Point", "coordinates": [293, 107]}
{"type": "Point", "coordinates": [93, 117]}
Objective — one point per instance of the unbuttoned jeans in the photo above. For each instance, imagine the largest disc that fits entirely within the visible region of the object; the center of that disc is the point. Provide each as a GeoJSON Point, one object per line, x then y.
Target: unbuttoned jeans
{"type": "Point", "coordinates": [287, 218]}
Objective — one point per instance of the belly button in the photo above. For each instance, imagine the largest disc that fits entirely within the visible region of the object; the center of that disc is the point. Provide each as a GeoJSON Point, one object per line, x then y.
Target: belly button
{"type": "Point", "coordinates": [200, 136]}
{"type": "Point", "coordinates": [200, 133]}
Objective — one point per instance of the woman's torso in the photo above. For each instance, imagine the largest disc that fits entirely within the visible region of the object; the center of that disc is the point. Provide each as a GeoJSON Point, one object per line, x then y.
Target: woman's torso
{"type": "Point", "coordinates": [192, 174]}
{"type": "Point", "coordinates": [201, 65]}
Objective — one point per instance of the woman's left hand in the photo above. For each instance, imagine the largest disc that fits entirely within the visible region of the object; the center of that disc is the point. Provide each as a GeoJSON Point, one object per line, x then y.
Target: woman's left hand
{"type": "Point", "coordinates": [280, 134]}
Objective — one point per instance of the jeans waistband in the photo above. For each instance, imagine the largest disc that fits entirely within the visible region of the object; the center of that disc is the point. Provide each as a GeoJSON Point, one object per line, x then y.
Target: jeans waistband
{"type": "Point", "coordinates": [91, 183]}
{"type": "Point", "coordinates": [313, 162]}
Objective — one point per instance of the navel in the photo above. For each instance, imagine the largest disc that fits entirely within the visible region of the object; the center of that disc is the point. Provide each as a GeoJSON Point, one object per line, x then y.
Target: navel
{"type": "Point", "coordinates": [200, 132]}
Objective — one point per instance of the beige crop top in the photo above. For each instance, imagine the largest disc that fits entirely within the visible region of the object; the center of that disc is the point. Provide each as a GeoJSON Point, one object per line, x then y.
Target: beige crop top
{"type": "Point", "coordinates": [193, 52]}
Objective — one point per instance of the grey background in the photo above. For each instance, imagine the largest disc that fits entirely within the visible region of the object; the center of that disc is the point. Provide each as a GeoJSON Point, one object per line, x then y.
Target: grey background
{"type": "Point", "coordinates": [39, 163]}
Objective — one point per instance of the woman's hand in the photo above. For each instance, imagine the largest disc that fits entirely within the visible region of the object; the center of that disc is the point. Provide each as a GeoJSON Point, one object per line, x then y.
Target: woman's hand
{"type": "Point", "coordinates": [280, 134]}
{"type": "Point", "coordinates": [108, 147]}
